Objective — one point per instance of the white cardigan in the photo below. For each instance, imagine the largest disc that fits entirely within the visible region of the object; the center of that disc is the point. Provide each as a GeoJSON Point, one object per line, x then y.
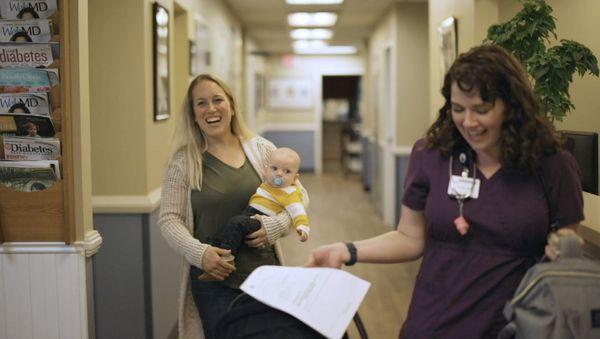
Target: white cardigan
{"type": "Point", "coordinates": [177, 226]}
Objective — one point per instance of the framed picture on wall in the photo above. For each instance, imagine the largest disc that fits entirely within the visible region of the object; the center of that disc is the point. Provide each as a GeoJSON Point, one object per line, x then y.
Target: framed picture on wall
{"type": "Point", "coordinates": [448, 44]}
{"type": "Point", "coordinates": [160, 26]}
{"type": "Point", "coordinates": [290, 93]}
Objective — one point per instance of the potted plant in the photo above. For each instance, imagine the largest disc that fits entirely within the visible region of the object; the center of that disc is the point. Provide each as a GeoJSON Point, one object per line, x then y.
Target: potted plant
{"type": "Point", "coordinates": [527, 35]}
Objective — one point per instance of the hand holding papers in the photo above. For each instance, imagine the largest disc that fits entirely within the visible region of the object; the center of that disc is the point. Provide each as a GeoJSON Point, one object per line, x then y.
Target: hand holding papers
{"type": "Point", "coordinates": [325, 299]}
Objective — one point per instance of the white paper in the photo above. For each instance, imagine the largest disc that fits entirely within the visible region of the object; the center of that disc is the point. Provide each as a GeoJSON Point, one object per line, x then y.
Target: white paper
{"type": "Point", "coordinates": [325, 299]}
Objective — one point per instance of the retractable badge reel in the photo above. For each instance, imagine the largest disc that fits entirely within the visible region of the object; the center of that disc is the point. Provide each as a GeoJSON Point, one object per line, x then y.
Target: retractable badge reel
{"type": "Point", "coordinates": [462, 188]}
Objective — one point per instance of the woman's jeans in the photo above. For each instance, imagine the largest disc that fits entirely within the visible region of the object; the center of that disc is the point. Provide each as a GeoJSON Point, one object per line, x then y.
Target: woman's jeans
{"type": "Point", "coordinates": [212, 300]}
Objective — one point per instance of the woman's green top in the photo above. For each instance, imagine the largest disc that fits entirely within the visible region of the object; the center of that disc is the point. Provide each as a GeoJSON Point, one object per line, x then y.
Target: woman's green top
{"type": "Point", "coordinates": [225, 193]}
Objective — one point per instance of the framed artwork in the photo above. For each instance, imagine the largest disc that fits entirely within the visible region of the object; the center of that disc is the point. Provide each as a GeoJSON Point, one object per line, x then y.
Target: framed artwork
{"type": "Point", "coordinates": [290, 93]}
{"type": "Point", "coordinates": [448, 44]}
{"type": "Point", "coordinates": [160, 26]}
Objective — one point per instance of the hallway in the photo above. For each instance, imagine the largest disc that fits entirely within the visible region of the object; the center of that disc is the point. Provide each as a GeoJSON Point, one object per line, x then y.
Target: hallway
{"type": "Point", "coordinates": [340, 210]}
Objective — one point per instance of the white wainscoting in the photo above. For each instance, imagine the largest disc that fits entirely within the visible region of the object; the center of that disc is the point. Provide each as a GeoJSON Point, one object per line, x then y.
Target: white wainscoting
{"type": "Point", "coordinates": [42, 291]}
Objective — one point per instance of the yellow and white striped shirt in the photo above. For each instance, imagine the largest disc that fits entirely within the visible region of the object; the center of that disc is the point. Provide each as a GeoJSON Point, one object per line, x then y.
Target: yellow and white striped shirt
{"type": "Point", "coordinates": [272, 200]}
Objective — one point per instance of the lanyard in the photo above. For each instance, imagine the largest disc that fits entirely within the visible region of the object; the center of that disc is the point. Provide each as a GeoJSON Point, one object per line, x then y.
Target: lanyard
{"type": "Point", "coordinates": [461, 223]}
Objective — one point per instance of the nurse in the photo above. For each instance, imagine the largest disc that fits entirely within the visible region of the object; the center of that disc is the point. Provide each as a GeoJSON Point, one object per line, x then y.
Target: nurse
{"type": "Point", "coordinates": [482, 188]}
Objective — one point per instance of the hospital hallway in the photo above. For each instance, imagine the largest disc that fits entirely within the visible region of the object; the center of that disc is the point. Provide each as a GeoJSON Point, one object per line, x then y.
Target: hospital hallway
{"type": "Point", "coordinates": [340, 210]}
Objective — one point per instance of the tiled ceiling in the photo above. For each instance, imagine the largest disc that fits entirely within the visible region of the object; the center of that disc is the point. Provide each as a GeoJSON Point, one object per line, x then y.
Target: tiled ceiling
{"type": "Point", "coordinates": [266, 21]}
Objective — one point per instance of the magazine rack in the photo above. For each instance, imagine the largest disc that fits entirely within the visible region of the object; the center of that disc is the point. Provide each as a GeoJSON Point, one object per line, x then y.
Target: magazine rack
{"type": "Point", "coordinates": [47, 216]}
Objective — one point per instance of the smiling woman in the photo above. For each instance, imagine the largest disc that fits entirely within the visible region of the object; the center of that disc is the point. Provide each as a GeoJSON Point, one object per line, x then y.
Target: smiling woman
{"type": "Point", "coordinates": [474, 207]}
{"type": "Point", "coordinates": [216, 167]}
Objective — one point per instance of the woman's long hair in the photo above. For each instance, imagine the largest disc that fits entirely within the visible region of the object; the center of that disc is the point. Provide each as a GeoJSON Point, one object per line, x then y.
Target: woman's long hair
{"type": "Point", "coordinates": [526, 134]}
{"type": "Point", "coordinates": [189, 137]}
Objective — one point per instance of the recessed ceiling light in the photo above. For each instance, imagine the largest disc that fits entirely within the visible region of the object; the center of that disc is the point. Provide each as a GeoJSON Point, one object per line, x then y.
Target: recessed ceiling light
{"type": "Point", "coordinates": [311, 34]}
{"type": "Point", "coordinates": [314, 2]}
{"type": "Point", "coordinates": [326, 50]}
{"type": "Point", "coordinates": [300, 44]}
{"type": "Point", "coordinates": [318, 19]}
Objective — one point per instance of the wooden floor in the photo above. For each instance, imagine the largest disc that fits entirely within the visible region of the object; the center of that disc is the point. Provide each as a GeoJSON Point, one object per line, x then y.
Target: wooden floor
{"type": "Point", "coordinates": [340, 210]}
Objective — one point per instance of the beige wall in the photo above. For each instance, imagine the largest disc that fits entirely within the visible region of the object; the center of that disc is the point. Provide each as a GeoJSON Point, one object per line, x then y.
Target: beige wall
{"type": "Point", "coordinates": [401, 33]}
{"type": "Point", "coordinates": [129, 149]}
{"type": "Point", "coordinates": [463, 11]}
{"type": "Point", "coordinates": [412, 97]}
{"type": "Point", "coordinates": [118, 96]}
{"type": "Point", "coordinates": [381, 39]}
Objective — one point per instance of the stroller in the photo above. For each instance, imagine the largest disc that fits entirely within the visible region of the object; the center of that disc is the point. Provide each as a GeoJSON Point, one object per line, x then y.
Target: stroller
{"type": "Point", "coordinates": [249, 318]}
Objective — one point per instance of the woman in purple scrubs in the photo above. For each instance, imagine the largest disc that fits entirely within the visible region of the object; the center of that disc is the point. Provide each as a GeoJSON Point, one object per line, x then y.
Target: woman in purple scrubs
{"type": "Point", "coordinates": [478, 235]}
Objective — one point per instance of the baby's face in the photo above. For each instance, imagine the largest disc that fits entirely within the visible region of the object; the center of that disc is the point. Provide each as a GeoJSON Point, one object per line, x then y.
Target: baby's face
{"type": "Point", "coordinates": [282, 170]}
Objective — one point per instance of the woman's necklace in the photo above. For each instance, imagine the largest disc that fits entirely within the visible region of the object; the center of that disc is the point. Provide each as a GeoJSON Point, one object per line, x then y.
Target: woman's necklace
{"type": "Point", "coordinates": [461, 223]}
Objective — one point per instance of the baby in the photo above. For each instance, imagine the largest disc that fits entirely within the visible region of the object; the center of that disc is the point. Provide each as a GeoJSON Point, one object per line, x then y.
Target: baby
{"type": "Point", "coordinates": [279, 192]}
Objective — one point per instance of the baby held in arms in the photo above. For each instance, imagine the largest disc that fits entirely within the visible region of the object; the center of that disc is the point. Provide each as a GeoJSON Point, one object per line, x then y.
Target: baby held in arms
{"type": "Point", "coordinates": [280, 191]}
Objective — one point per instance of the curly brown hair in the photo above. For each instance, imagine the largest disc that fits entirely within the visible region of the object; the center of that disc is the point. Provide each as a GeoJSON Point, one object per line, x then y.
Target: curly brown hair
{"type": "Point", "coordinates": [496, 74]}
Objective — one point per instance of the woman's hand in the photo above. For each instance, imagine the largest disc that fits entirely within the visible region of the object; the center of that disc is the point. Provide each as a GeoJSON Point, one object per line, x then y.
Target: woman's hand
{"type": "Point", "coordinates": [214, 264]}
{"type": "Point", "coordinates": [333, 255]}
{"type": "Point", "coordinates": [553, 248]}
{"type": "Point", "coordinates": [259, 238]}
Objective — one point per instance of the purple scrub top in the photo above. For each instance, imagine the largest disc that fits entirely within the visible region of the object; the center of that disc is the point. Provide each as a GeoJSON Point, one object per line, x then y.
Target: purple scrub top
{"type": "Point", "coordinates": [465, 281]}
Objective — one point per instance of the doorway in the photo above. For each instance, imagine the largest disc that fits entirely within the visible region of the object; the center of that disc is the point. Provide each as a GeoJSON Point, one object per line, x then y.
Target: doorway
{"type": "Point", "coordinates": [341, 123]}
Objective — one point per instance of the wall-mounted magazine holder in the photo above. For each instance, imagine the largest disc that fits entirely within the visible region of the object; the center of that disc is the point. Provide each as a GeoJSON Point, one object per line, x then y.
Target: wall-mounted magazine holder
{"type": "Point", "coordinates": [32, 216]}
{"type": "Point", "coordinates": [47, 215]}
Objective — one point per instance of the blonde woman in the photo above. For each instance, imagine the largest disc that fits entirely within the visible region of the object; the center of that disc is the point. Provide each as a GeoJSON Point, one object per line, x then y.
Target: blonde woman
{"type": "Point", "coordinates": [216, 167]}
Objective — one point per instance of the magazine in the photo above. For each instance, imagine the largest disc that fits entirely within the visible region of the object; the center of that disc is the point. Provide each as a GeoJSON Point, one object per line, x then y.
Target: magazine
{"type": "Point", "coordinates": [26, 148]}
{"type": "Point", "coordinates": [53, 76]}
{"type": "Point", "coordinates": [29, 176]}
{"type": "Point", "coordinates": [30, 125]}
{"type": "Point", "coordinates": [32, 103]}
{"type": "Point", "coordinates": [26, 55]}
{"type": "Point", "coordinates": [18, 9]}
{"type": "Point", "coordinates": [38, 30]}
{"type": "Point", "coordinates": [22, 80]}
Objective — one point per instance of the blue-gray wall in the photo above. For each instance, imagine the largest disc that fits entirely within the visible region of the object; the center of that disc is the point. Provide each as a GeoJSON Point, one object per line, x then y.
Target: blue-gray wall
{"type": "Point", "coordinates": [136, 278]}
{"type": "Point", "coordinates": [401, 169]}
{"type": "Point", "coordinates": [302, 142]}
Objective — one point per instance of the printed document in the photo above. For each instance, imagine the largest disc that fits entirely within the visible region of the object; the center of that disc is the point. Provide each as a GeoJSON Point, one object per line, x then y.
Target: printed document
{"type": "Point", "coordinates": [325, 299]}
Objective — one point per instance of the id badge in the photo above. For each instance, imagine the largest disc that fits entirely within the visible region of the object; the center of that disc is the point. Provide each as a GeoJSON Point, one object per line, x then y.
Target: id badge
{"type": "Point", "coordinates": [464, 186]}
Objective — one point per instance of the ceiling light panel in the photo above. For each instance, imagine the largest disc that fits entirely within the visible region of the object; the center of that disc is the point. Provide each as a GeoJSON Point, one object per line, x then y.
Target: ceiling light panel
{"type": "Point", "coordinates": [311, 34]}
{"type": "Point", "coordinates": [327, 50]}
{"type": "Point", "coordinates": [314, 2]}
{"type": "Point", "coordinates": [318, 19]}
{"type": "Point", "coordinates": [300, 44]}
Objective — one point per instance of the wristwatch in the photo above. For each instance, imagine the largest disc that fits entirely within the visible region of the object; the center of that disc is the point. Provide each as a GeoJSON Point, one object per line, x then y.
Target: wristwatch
{"type": "Point", "coordinates": [352, 250]}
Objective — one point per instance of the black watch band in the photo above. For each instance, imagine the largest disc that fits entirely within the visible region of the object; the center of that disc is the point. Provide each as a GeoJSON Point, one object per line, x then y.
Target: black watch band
{"type": "Point", "coordinates": [352, 250]}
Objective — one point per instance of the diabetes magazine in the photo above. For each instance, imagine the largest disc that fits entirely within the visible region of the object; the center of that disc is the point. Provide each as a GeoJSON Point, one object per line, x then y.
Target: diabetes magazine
{"type": "Point", "coordinates": [38, 30]}
{"type": "Point", "coordinates": [24, 9]}
{"type": "Point", "coordinates": [26, 125]}
{"type": "Point", "coordinates": [34, 55]}
{"type": "Point", "coordinates": [26, 148]}
{"type": "Point", "coordinates": [23, 80]}
{"type": "Point", "coordinates": [28, 103]}
{"type": "Point", "coordinates": [29, 176]}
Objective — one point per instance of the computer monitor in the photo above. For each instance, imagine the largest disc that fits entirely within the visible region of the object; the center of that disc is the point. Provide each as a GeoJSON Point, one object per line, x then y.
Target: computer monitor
{"type": "Point", "coordinates": [584, 147]}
